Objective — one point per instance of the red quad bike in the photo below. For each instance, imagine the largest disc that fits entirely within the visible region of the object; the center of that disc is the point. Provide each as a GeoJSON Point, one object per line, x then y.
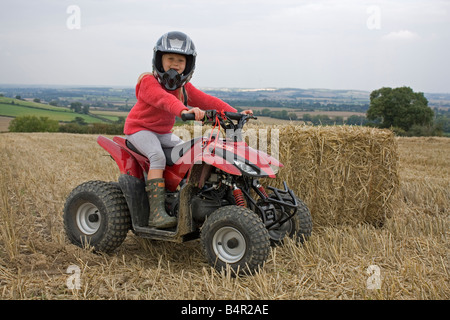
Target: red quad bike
{"type": "Point", "coordinates": [212, 187]}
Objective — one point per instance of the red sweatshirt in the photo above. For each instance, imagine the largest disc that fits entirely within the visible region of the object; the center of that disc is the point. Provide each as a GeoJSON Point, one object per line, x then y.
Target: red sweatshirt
{"type": "Point", "coordinates": [156, 107]}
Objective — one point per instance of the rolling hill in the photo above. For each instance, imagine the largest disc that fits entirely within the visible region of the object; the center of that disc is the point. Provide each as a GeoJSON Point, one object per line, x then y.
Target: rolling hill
{"type": "Point", "coordinates": [12, 108]}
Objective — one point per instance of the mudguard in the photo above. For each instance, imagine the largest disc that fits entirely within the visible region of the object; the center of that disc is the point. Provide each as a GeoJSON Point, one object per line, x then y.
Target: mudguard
{"type": "Point", "coordinates": [125, 161]}
{"type": "Point", "coordinates": [218, 162]}
{"type": "Point", "coordinates": [137, 200]}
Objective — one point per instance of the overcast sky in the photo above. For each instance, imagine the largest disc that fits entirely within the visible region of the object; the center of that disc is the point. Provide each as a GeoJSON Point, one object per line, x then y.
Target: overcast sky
{"type": "Point", "coordinates": [349, 44]}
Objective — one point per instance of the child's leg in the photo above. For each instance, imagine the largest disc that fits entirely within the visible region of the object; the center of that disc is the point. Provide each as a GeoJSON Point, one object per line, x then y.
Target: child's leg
{"type": "Point", "coordinates": [168, 140]}
{"type": "Point", "coordinates": [148, 143]}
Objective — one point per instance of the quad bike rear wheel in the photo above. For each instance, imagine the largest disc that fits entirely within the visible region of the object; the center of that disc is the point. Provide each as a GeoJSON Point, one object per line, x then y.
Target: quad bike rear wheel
{"type": "Point", "coordinates": [235, 236]}
{"type": "Point", "coordinates": [96, 214]}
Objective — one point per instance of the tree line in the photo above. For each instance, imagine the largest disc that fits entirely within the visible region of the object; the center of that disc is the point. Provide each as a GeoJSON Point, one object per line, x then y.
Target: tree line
{"type": "Point", "coordinates": [320, 119]}
{"type": "Point", "coordinates": [301, 105]}
{"type": "Point", "coordinates": [44, 124]}
{"type": "Point", "coordinates": [400, 109]}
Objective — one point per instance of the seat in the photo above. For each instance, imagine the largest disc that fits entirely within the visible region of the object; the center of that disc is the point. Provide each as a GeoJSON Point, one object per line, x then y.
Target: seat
{"type": "Point", "coordinates": [172, 154]}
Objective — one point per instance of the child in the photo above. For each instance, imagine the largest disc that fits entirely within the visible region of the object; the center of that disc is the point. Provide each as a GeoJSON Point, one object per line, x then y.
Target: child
{"type": "Point", "coordinates": [161, 97]}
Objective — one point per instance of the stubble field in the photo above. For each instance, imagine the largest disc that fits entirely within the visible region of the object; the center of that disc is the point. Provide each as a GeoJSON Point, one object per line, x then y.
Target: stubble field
{"type": "Point", "coordinates": [409, 254]}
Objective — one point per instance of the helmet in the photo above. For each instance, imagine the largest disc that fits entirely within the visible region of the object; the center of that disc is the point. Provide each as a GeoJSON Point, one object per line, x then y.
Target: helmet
{"type": "Point", "coordinates": [179, 43]}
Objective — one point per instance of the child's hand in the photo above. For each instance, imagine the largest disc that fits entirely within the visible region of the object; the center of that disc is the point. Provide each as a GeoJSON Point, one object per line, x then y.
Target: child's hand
{"type": "Point", "coordinates": [250, 112]}
{"type": "Point", "coordinates": [199, 113]}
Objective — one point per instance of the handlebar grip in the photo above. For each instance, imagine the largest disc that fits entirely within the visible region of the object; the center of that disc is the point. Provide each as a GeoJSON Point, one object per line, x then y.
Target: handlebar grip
{"type": "Point", "coordinates": [188, 116]}
{"type": "Point", "coordinates": [233, 115]}
{"type": "Point", "coordinates": [230, 115]}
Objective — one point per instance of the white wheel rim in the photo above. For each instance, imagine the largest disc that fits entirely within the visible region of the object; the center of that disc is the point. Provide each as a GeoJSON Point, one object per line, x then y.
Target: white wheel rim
{"type": "Point", "coordinates": [229, 244]}
{"type": "Point", "coordinates": [88, 218]}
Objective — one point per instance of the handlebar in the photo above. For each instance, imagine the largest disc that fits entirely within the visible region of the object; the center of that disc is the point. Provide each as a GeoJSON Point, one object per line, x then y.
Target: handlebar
{"type": "Point", "coordinates": [233, 129]}
{"type": "Point", "coordinates": [212, 114]}
{"type": "Point", "coordinates": [235, 116]}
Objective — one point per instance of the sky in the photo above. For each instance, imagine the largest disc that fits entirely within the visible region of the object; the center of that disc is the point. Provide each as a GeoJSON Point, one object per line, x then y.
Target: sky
{"type": "Point", "coordinates": [347, 44]}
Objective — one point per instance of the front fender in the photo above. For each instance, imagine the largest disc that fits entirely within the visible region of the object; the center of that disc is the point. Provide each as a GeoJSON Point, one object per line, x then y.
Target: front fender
{"type": "Point", "coordinates": [126, 163]}
{"type": "Point", "coordinates": [271, 160]}
{"type": "Point", "coordinates": [218, 162]}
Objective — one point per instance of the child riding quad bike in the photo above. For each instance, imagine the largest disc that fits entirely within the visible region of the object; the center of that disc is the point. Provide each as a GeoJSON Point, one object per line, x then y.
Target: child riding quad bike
{"type": "Point", "coordinates": [212, 187]}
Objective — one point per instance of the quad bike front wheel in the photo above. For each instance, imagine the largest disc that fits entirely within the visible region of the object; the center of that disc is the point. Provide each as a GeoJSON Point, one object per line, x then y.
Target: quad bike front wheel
{"type": "Point", "coordinates": [96, 214]}
{"type": "Point", "coordinates": [235, 236]}
{"type": "Point", "coordinates": [298, 228]}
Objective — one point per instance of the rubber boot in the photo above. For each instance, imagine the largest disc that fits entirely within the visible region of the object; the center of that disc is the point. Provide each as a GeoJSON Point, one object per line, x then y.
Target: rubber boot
{"type": "Point", "coordinates": [158, 217]}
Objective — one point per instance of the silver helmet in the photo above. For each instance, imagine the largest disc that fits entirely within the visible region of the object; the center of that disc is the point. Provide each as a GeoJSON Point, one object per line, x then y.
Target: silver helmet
{"type": "Point", "coordinates": [179, 43]}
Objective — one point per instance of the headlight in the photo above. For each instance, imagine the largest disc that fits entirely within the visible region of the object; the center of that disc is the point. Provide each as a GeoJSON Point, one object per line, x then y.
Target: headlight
{"type": "Point", "coordinates": [246, 168]}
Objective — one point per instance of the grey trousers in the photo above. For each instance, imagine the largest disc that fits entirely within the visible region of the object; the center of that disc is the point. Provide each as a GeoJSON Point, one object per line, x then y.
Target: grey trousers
{"type": "Point", "coordinates": [151, 144]}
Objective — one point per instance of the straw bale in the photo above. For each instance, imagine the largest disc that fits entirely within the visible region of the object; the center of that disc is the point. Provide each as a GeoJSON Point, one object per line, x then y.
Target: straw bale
{"type": "Point", "coordinates": [345, 174]}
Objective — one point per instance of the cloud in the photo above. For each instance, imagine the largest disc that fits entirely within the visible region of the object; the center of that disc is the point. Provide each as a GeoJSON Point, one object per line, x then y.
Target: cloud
{"type": "Point", "coordinates": [402, 35]}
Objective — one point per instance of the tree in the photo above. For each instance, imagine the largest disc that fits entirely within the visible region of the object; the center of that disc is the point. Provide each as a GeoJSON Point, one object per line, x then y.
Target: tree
{"type": "Point", "coordinates": [321, 119]}
{"type": "Point", "coordinates": [292, 116]}
{"type": "Point", "coordinates": [85, 109]}
{"type": "Point", "coordinates": [307, 117]}
{"type": "Point", "coordinates": [33, 124]}
{"type": "Point", "coordinates": [356, 120]}
{"type": "Point", "coordinates": [76, 106]}
{"type": "Point", "coordinates": [338, 120]}
{"type": "Point", "coordinates": [80, 121]}
{"type": "Point", "coordinates": [399, 107]}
